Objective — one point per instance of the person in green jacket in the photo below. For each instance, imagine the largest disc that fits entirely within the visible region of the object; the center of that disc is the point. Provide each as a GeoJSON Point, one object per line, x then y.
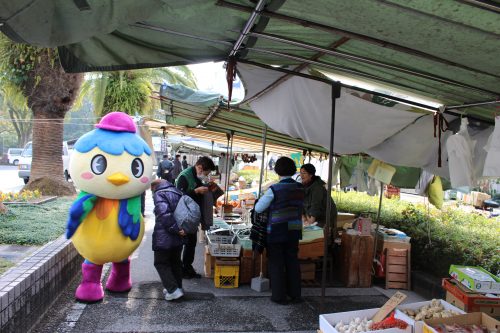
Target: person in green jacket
{"type": "Point", "coordinates": [193, 182]}
{"type": "Point", "coordinates": [315, 198]}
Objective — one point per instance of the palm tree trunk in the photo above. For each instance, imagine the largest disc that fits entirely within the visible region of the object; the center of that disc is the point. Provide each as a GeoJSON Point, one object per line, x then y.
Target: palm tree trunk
{"type": "Point", "coordinates": [47, 145]}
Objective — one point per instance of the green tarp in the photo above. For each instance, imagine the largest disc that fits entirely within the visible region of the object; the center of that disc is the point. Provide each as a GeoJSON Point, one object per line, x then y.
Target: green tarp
{"type": "Point", "coordinates": [452, 45]}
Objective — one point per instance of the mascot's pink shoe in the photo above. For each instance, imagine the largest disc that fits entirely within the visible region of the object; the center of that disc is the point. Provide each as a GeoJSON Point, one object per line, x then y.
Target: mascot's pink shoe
{"type": "Point", "coordinates": [90, 290]}
{"type": "Point", "coordinates": [119, 280]}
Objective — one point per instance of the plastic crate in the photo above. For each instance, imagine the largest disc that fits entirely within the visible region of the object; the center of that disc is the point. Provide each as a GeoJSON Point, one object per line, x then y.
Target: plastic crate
{"type": "Point", "coordinates": [226, 273]}
{"type": "Point", "coordinates": [225, 250]}
{"type": "Point", "coordinates": [221, 246]}
{"type": "Point", "coordinates": [220, 239]}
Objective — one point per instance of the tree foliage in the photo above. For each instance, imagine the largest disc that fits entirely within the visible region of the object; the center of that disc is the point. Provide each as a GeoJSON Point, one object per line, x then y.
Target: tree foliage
{"type": "Point", "coordinates": [131, 91]}
{"type": "Point", "coordinates": [50, 93]}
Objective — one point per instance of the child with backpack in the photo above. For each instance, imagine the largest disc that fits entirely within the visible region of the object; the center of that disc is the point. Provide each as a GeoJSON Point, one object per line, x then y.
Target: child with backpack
{"type": "Point", "coordinates": [168, 238]}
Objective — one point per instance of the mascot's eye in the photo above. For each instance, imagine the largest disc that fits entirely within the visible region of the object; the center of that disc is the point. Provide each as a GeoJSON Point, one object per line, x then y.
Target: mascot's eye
{"type": "Point", "coordinates": [98, 164]}
{"type": "Point", "coordinates": [137, 167]}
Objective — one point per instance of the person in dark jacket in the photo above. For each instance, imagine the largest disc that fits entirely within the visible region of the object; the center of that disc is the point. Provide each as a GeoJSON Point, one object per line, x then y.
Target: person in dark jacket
{"type": "Point", "coordinates": [284, 230]}
{"type": "Point", "coordinates": [177, 167]}
{"type": "Point", "coordinates": [184, 163]}
{"type": "Point", "coordinates": [315, 198]}
{"type": "Point", "coordinates": [168, 239]}
{"type": "Point", "coordinates": [192, 182]}
{"type": "Point", "coordinates": [165, 169]}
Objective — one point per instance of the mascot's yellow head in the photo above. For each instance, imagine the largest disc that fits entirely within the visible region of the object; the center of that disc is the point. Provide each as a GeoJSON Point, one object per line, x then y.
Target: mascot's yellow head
{"type": "Point", "coordinates": [112, 161]}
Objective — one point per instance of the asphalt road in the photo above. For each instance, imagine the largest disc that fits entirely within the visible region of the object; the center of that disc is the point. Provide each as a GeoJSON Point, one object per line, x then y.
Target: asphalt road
{"type": "Point", "coordinates": [9, 180]}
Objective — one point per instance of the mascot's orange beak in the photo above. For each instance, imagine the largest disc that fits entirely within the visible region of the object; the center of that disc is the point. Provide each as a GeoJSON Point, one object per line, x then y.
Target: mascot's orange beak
{"type": "Point", "coordinates": [118, 179]}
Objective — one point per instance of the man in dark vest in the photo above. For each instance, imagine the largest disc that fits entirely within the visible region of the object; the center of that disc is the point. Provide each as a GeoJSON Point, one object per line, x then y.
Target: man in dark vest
{"type": "Point", "coordinates": [193, 182]}
{"type": "Point", "coordinates": [284, 230]}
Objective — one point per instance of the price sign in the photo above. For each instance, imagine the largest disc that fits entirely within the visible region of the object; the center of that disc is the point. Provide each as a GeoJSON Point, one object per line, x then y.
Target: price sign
{"type": "Point", "coordinates": [390, 305]}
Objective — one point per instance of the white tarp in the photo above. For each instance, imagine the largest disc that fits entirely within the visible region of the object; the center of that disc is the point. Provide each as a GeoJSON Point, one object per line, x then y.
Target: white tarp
{"type": "Point", "coordinates": [396, 134]}
{"type": "Point", "coordinates": [301, 108]}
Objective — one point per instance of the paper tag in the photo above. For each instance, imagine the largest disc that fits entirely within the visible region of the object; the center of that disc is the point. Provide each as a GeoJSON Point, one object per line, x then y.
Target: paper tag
{"type": "Point", "coordinates": [390, 305]}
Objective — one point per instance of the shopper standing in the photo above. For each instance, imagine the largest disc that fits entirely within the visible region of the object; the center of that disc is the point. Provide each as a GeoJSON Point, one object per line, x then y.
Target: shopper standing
{"type": "Point", "coordinates": [193, 182]}
{"type": "Point", "coordinates": [185, 164]}
{"type": "Point", "coordinates": [177, 169]}
{"type": "Point", "coordinates": [165, 168]}
{"type": "Point", "coordinates": [168, 238]}
{"type": "Point", "coordinates": [284, 230]}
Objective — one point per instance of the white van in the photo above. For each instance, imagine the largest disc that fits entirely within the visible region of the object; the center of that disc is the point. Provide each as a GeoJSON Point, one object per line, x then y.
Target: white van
{"type": "Point", "coordinates": [25, 160]}
{"type": "Point", "coordinates": [13, 155]}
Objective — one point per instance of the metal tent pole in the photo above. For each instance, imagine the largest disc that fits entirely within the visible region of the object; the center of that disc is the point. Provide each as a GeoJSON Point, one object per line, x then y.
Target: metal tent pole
{"type": "Point", "coordinates": [228, 168]}
{"type": "Point", "coordinates": [335, 94]}
{"type": "Point", "coordinates": [264, 139]}
{"type": "Point", "coordinates": [226, 182]}
{"type": "Point", "coordinates": [378, 219]}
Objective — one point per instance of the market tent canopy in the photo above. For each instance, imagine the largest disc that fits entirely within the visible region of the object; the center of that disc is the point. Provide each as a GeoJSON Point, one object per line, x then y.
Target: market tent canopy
{"type": "Point", "coordinates": [243, 142]}
{"type": "Point", "coordinates": [446, 50]}
{"type": "Point", "coordinates": [186, 107]}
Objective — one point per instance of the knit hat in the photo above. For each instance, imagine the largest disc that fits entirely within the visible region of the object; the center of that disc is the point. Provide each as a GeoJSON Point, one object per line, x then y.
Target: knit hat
{"type": "Point", "coordinates": [117, 122]}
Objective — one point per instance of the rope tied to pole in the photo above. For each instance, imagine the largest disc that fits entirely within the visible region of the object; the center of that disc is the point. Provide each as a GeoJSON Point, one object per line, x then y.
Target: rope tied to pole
{"type": "Point", "coordinates": [441, 125]}
{"type": "Point", "coordinates": [230, 77]}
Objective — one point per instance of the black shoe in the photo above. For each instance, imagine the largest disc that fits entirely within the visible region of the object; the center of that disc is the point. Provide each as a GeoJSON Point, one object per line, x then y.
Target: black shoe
{"type": "Point", "coordinates": [189, 273]}
{"type": "Point", "coordinates": [280, 302]}
{"type": "Point", "coordinates": [296, 300]}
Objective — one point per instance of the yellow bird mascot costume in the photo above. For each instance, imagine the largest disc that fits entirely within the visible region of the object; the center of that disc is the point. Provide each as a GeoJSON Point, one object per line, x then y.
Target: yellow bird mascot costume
{"type": "Point", "coordinates": [112, 167]}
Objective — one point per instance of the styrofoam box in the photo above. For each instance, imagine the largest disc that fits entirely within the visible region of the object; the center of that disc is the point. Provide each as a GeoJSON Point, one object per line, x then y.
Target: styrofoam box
{"type": "Point", "coordinates": [328, 321]}
{"type": "Point", "coordinates": [418, 305]}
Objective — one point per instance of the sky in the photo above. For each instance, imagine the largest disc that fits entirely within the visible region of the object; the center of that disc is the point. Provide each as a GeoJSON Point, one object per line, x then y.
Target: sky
{"type": "Point", "coordinates": [211, 76]}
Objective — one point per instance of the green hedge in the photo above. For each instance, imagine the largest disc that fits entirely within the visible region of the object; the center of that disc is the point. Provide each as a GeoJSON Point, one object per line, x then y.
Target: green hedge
{"type": "Point", "coordinates": [251, 175]}
{"type": "Point", "coordinates": [456, 236]}
{"type": "Point", "coordinates": [34, 224]}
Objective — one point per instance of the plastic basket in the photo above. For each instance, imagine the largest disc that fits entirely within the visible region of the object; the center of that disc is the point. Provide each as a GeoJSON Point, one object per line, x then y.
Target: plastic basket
{"type": "Point", "coordinates": [220, 239]}
{"type": "Point", "coordinates": [221, 246]}
{"type": "Point", "coordinates": [226, 276]}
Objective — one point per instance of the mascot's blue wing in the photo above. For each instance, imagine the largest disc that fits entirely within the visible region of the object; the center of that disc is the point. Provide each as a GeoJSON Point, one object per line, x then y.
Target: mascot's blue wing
{"type": "Point", "coordinates": [78, 211]}
{"type": "Point", "coordinates": [129, 217]}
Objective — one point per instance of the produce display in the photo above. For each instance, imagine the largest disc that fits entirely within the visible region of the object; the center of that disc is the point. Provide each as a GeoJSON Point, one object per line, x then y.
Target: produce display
{"type": "Point", "coordinates": [455, 328]}
{"type": "Point", "coordinates": [433, 310]}
{"type": "Point", "coordinates": [358, 325]}
{"type": "Point", "coordinates": [389, 322]}
{"type": "Point", "coordinates": [354, 326]}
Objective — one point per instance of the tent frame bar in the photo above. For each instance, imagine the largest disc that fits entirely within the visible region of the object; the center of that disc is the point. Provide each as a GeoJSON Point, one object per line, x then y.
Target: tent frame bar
{"type": "Point", "coordinates": [483, 4]}
{"type": "Point", "coordinates": [212, 114]}
{"type": "Point", "coordinates": [348, 34]}
{"type": "Point", "coordinates": [339, 68]}
{"type": "Point", "coordinates": [244, 33]}
{"type": "Point", "coordinates": [297, 69]}
{"type": "Point", "coordinates": [365, 60]}
{"type": "Point", "coordinates": [469, 105]}
{"type": "Point", "coordinates": [304, 60]}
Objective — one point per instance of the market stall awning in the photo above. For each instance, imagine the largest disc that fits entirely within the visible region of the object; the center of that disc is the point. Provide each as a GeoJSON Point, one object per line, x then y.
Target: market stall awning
{"type": "Point", "coordinates": [252, 144]}
{"type": "Point", "coordinates": [191, 108]}
{"type": "Point", "coordinates": [446, 50]}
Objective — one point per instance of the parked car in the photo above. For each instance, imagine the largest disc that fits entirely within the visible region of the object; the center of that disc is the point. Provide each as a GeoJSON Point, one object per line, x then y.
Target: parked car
{"type": "Point", "coordinates": [13, 155]}
{"type": "Point", "coordinates": [25, 160]}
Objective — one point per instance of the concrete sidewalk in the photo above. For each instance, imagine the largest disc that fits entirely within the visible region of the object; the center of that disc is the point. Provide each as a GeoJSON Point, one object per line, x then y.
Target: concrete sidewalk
{"type": "Point", "coordinates": [203, 309]}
